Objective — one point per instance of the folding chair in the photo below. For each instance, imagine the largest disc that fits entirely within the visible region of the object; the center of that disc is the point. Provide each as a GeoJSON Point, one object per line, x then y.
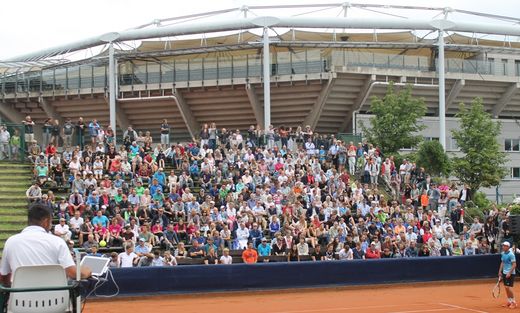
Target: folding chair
{"type": "Point", "coordinates": [40, 288]}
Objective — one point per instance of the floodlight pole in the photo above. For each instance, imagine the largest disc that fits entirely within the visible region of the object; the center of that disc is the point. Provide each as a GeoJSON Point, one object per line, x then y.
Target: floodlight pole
{"type": "Point", "coordinates": [112, 88]}
{"type": "Point", "coordinates": [267, 80]}
{"type": "Point", "coordinates": [442, 89]}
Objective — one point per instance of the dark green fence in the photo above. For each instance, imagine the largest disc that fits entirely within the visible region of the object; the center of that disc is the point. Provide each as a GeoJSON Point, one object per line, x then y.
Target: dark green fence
{"type": "Point", "coordinates": [348, 137]}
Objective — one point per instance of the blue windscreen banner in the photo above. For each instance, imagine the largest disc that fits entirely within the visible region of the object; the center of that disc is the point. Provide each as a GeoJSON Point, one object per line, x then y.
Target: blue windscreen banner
{"type": "Point", "coordinates": [264, 276]}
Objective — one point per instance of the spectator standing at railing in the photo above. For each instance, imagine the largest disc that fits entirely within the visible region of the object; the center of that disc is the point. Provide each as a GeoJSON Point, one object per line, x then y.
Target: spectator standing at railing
{"type": "Point", "coordinates": [270, 134]}
{"type": "Point", "coordinates": [465, 194]}
{"type": "Point", "coordinates": [165, 133]}
{"type": "Point", "coordinates": [213, 135]}
{"type": "Point", "coordinates": [15, 144]}
{"type": "Point", "coordinates": [29, 128]}
{"type": "Point", "coordinates": [434, 195]}
{"type": "Point", "coordinates": [46, 132]}
{"type": "Point", "coordinates": [204, 135]}
{"type": "Point", "coordinates": [351, 154]}
{"type": "Point", "coordinates": [80, 130]}
{"type": "Point", "coordinates": [453, 197]}
{"type": "Point", "coordinates": [93, 129]}
{"type": "Point", "coordinates": [373, 169]}
{"type": "Point", "coordinates": [109, 138]}
{"type": "Point", "coordinates": [5, 137]}
{"type": "Point", "coordinates": [55, 133]}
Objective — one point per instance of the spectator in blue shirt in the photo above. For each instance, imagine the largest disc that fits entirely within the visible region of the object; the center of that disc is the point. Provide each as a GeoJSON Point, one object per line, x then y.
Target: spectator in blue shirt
{"type": "Point", "coordinates": [264, 250]}
{"type": "Point", "coordinates": [469, 250]}
{"type": "Point", "coordinates": [93, 201]}
{"type": "Point", "coordinates": [142, 249]}
{"type": "Point", "coordinates": [210, 244]}
{"type": "Point", "coordinates": [274, 226]}
{"type": "Point", "coordinates": [255, 235]}
{"type": "Point", "coordinates": [134, 148]}
{"type": "Point", "coordinates": [199, 238]}
{"type": "Point", "coordinates": [160, 176]}
{"type": "Point", "coordinates": [100, 218]}
{"type": "Point", "coordinates": [155, 185]}
{"type": "Point", "coordinates": [93, 130]}
{"type": "Point", "coordinates": [94, 251]}
{"type": "Point", "coordinates": [118, 181]}
{"type": "Point", "coordinates": [194, 170]}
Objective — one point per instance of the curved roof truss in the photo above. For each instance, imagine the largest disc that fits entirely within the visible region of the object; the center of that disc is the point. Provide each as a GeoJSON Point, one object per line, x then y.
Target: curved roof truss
{"type": "Point", "coordinates": [290, 22]}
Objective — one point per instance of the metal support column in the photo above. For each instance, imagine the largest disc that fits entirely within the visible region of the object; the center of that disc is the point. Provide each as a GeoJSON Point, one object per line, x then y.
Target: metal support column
{"type": "Point", "coordinates": [442, 89]}
{"type": "Point", "coordinates": [267, 80]}
{"type": "Point", "coordinates": [112, 87]}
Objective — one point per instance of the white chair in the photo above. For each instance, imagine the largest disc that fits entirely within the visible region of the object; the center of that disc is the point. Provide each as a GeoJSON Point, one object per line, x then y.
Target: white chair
{"type": "Point", "coordinates": [49, 290]}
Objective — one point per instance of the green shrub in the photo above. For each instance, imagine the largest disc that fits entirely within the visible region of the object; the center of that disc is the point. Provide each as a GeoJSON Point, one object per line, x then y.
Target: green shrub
{"type": "Point", "coordinates": [481, 201]}
{"type": "Point", "coordinates": [515, 209]}
{"type": "Point", "coordinates": [432, 157]}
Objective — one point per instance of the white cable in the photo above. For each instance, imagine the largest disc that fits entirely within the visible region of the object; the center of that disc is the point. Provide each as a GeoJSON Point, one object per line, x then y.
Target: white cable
{"type": "Point", "coordinates": [100, 283]}
{"type": "Point", "coordinates": [109, 273]}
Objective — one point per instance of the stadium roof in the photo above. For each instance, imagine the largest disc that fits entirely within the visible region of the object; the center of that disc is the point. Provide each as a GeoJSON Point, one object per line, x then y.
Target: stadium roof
{"type": "Point", "coordinates": [337, 29]}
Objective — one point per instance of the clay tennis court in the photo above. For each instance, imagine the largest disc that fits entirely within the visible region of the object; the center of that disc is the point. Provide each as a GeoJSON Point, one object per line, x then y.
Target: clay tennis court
{"type": "Point", "coordinates": [468, 296]}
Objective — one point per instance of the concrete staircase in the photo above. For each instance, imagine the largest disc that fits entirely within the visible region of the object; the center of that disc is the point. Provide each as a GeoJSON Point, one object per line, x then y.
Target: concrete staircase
{"type": "Point", "coordinates": [15, 178]}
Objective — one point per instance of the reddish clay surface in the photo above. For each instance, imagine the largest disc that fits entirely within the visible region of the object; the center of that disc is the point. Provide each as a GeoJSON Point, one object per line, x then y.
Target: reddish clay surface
{"type": "Point", "coordinates": [411, 298]}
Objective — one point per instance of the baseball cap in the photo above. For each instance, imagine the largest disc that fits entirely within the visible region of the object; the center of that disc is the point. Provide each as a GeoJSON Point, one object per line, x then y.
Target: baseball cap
{"type": "Point", "coordinates": [141, 239]}
{"type": "Point", "coordinates": [373, 243]}
{"type": "Point", "coordinates": [506, 243]}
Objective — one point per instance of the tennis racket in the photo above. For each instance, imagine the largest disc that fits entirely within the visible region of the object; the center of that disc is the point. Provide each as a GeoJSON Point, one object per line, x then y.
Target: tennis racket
{"type": "Point", "coordinates": [496, 290]}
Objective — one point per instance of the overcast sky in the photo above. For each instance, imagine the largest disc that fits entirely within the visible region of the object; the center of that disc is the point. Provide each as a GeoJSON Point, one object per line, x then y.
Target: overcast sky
{"type": "Point", "coordinates": [30, 25]}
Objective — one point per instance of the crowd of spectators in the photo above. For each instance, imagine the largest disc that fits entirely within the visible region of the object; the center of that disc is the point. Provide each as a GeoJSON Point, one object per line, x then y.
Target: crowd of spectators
{"type": "Point", "coordinates": [283, 192]}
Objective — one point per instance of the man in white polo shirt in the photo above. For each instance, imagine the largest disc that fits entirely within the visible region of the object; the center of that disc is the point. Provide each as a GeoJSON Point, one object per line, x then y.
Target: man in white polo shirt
{"type": "Point", "coordinates": [35, 245]}
{"type": "Point", "coordinates": [128, 258]}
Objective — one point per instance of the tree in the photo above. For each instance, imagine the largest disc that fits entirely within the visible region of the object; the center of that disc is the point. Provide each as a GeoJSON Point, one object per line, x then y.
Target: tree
{"type": "Point", "coordinates": [432, 157]}
{"type": "Point", "coordinates": [483, 160]}
{"type": "Point", "coordinates": [395, 123]}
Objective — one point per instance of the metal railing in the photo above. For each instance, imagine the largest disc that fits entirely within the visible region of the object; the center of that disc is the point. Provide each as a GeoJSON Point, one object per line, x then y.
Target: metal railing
{"type": "Point", "coordinates": [310, 61]}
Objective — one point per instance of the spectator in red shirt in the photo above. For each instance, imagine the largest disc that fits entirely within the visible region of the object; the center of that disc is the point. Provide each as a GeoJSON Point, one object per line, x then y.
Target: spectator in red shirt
{"type": "Point", "coordinates": [345, 177]}
{"type": "Point", "coordinates": [106, 183]}
{"type": "Point", "coordinates": [50, 150]}
{"type": "Point", "coordinates": [115, 166]}
{"type": "Point", "coordinates": [372, 252]}
{"type": "Point", "coordinates": [427, 235]}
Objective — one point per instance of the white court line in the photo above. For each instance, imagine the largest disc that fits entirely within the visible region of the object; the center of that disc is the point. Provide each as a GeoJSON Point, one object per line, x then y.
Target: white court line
{"type": "Point", "coordinates": [368, 307]}
{"type": "Point", "coordinates": [427, 310]}
{"type": "Point", "coordinates": [462, 308]}
{"type": "Point", "coordinates": [340, 309]}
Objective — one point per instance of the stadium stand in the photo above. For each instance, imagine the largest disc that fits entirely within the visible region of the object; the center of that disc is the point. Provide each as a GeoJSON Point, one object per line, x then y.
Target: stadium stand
{"type": "Point", "coordinates": [293, 194]}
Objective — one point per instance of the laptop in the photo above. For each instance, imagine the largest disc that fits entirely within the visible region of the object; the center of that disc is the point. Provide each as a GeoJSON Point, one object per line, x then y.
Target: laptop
{"type": "Point", "coordinates": [98, 265]}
